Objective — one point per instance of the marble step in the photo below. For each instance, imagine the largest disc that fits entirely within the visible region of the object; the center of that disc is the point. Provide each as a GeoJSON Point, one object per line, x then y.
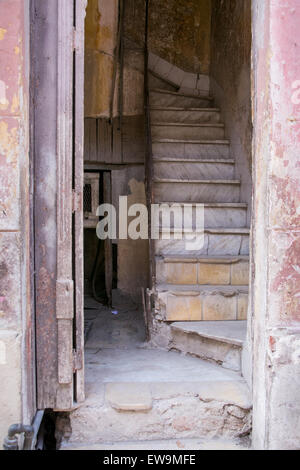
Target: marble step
{"type": "Point", "coordinates": [188, 168]}
{"type": "Point", "coordinates": [202, 270]}
{"type": "Point", "coordinates": [186, 115]}
{"type": "Point", "coordinates": [145, 394]}
{"type": "Point", "coordinates": [207, 149]}
{"type": "Point", "coordinates": [210, 242]}
{"type": "Point", "coordinates": [216, 341]}
{"type": "Point", "coordinates": [179, 190]}
{"type": "Point", "coordinates": [166, 98]}
{"type": "Point", "coordinates": [222, 215]}
{"type": "Point", "coordinates": [179, 130]}
{"type": "Point", "coordinates": [182, 303]}
{"type": "Point", "coordinates": [156, 81]}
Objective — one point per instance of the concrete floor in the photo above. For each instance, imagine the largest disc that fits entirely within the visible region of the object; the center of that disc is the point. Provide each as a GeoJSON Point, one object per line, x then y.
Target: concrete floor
{"type": "Point", "coordinates": [143, 398]}
{"type": "Point", "coordinates": [116, 351]}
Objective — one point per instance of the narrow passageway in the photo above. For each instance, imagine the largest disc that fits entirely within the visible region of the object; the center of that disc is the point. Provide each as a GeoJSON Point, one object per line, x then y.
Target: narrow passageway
{"type": "Point", "coordinates": [119, 327]}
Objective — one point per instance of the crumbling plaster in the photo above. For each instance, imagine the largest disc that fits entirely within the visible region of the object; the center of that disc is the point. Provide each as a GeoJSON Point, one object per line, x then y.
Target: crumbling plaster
{"type": "Point", "coordinates": [16, 404]}
{"type": "Point", "coordinates": [276, 223]}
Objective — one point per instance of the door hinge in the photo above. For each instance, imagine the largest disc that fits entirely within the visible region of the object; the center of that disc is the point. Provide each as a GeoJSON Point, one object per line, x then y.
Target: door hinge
{"type": "Point", "coordinates": [76, 201]}
{"type": "Point", "coordinates": [77, 360]}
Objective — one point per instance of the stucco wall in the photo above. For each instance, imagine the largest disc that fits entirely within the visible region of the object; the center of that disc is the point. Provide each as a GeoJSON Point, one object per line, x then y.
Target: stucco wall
{"type": "Point", "coordinates": [15, 334]}
{"type": "Point", "coordinates": [179, 31]}
{"type": "Point", "coordinates": [276, 234]}
{"type": "Point", "coordinates": [231, 81]}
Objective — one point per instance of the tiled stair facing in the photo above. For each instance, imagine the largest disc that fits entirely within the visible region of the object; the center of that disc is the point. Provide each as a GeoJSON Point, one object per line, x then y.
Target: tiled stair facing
{"type": "Point", "coordinates": [193, 165]}
{"type": "Point", "coordinates": [225, 271]}
{"type": "Point", "coordinates": [203, 289]}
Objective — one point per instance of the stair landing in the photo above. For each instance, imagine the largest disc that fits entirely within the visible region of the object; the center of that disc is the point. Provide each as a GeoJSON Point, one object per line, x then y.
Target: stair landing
{"type": "Point", "coordinates": [146, 395]}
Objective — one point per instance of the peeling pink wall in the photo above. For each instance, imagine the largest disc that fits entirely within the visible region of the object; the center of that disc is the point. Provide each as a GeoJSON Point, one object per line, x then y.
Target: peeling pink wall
{"type": "Point", "coordinates": [14, 207]}
{"type": "Point", "coordinates": [276, 227]}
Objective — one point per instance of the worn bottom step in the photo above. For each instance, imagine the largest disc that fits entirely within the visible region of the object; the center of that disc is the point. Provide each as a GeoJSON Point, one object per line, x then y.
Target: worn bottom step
{"type": "Point", "coordinates": [219, 342]}
{"type": "Point", "coordinates": [145, 394]}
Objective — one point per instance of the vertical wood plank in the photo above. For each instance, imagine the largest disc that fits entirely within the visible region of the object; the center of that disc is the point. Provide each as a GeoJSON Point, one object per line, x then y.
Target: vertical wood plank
{"type": "Point", "coordinates": [108, 242]}
{"type": "Point", "coordinates": [64, 198]}
{"type": "Point", "coordinates": [78, 187]}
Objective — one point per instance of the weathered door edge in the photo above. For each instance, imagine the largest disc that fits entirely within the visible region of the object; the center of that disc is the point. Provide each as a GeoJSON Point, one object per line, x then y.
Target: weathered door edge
{"type": "Point", "coordinates": [57, 206]}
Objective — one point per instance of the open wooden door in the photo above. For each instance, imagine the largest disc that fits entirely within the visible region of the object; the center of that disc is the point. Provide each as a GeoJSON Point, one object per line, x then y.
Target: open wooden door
{"type": "Point", "coordinates": [58, 61]}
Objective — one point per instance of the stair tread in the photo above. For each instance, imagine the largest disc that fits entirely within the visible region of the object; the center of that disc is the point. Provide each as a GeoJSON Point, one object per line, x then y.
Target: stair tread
{"type": "Point", "coordinates": [214, 230]}
{"type": "Point", "coordinates": [232, 332]}
{"type": "Point", "coordinates": [178, 93]}
{"type": "Point", "coordinates": [170, 180]}
{"type": "Point", "coordinates": [190, 141]}
{"type": "Point", "coordinates": [227, 161]}
{"type": "Point", "coordinates": [187, 124]}
{"type": "Point", "coordinates": [177, 108]}
{"type": "Point", "coordinates": [185, 289]}
{"type": "Point", "coordinates": [212, 204]}
{"type": "Point", "coordinates": [159, 444]}
{"type": "Point", "coordinates": [203, 259]}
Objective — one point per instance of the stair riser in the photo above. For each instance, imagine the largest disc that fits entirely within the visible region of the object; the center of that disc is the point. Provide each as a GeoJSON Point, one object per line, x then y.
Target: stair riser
{"type": "Point", "coordinates": [196, 192]}
{"type": "Point", "coordinates": [185, 170]}
{"type": "Point", "coordinates": [187, 132]}
{"type": "Point", "coordinates": [214, 217]}
{"type": "Point", "coordinates": [195, 273]}
{"type": "Point", "coordinates": [214, 245]}
{"type": "Point", "coordinates": [190, 150]}
{"type": "Point", "coordinates": [192, 117]}
{"type": "Point", "coordinates": [174, 417]}
{"type": "Point", "coordinates": [204, 307]}
{"type": "Point", "coordinates": [227, 355]}
{"type": "Point", "coordinates": [165, 100]}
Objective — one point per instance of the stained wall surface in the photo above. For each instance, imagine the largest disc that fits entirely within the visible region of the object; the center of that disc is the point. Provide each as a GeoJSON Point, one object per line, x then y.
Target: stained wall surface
{"type": "Point", "coordinates": [276, 228]}
{"type": "Point", "coordinates": [231, 81]}
{"type": "Point", "coordinates": [15, 330]}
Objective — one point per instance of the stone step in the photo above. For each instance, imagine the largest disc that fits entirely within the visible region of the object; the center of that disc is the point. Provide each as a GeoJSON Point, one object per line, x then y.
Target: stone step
{"type": "Point", "coordinates": [156, 81]}
{"type": "Point", "coordinates": [154, 395]}
{"type": "Point", "coordinates": [202, 303]}
{"type": "Point", "coordinates": [179, 130]}
{"type": "Point", "coordinates": [194, 149]}
{"type": "Point", "coordinates": [220, 215]}
{"type": "Point", "coordinates": [186, 115]}
{"type": "Point", "coordinates": [166, 98]}
{"type": "Point", "coordinates": [179, 190]}
{"type": "Point", "coordinates": [193, 271]}
{"type": "Point", "coordinates": [216, 341]}
{"type": "Point", "coordinates": [208, 242]}
{"type": "Point", "coordinates": [162, 444]}
{"type": "Point", "coordinates": [188, 168]}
